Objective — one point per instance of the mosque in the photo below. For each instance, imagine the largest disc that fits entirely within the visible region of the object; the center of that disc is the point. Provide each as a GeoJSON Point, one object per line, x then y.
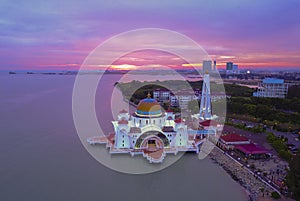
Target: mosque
{"type": "Point", "coordinates": [153, 132]}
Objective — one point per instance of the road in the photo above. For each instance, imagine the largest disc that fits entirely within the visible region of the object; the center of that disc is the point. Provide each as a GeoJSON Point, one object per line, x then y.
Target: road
{"type": "Point", "coordinates": [292, 138]}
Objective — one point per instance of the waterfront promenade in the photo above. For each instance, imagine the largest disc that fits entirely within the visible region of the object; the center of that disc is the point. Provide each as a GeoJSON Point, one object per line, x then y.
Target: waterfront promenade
{"type": "Point", "coordinates": [252, 182]}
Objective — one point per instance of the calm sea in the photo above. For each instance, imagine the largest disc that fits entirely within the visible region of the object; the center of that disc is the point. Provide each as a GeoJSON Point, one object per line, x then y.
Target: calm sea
{"type": "Point", "coordinates": [42, 158]}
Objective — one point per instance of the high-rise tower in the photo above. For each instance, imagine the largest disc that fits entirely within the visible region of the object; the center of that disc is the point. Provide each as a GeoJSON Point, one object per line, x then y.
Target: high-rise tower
{"type": "Point", "coordinates": [215, 65]}
{"type": "Point", "coordinates": [205, 105]}
{"type": "Point", "coordinates": [206, 66]}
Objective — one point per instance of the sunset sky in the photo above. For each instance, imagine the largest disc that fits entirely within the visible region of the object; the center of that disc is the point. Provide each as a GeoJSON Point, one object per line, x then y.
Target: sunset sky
{"type": "Point", "coordinates": [59, 34]}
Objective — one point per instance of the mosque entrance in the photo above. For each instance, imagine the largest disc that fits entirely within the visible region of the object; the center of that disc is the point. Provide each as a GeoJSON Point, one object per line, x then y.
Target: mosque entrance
{"type": "Point", "coordinates": [152, 140]}
{"type": "Point", "coordinates": [152, 144]}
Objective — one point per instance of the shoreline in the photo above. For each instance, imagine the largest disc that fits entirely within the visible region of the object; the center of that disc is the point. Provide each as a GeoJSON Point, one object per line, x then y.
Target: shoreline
{"type": "Point", "coordinates": [232, 175]}
{"type": "Point", "coordinates": [238, 173]}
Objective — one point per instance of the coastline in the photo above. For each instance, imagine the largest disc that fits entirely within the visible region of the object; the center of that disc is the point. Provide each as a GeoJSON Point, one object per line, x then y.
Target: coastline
{"type": "Point", "coordinates": [247, 181]}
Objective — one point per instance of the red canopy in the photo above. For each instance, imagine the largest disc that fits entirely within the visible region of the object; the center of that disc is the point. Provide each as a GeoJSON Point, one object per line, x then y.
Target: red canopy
{"type": "Point", "coordinates": [234, 138]}
{"type": "Point", "coordinates": [251, 149]}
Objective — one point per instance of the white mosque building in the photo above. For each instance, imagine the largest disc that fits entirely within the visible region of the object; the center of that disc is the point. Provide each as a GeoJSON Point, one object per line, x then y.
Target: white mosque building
{"type": "Point", "coordinates": [153, 132]}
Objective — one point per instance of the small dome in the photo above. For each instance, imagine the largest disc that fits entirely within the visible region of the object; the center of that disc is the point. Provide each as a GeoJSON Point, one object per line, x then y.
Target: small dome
{"type": "Point", "coordinates": [148, 107]}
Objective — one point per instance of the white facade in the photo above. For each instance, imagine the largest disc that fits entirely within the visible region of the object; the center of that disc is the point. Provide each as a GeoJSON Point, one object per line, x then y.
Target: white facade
{"type": "Point", "coordinates": [161, 95]}
{"type": "Point", "coordinates": [271, 88]}
{"type": "Point", "coordinates": [131, 131]}
{"type": "Point", "coordinates": [152, 132]}
{"type": "Point", "coordinates": [182, 99]}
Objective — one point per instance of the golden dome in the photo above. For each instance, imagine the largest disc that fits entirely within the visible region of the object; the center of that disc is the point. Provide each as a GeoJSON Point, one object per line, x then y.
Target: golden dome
{"type": "Point", "coordinates": [148, 107]}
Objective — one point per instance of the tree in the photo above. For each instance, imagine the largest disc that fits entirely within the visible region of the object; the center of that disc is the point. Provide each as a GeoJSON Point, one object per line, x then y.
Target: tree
{"type": "Point", "coordinates": [294, 91]}
{"type": "Point", "coordinates": [275, 195]}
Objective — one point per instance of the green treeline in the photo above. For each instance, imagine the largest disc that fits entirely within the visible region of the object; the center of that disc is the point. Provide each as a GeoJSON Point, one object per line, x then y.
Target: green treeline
{"type": "Point", "coordinates": [139, 90]}
{"type": "Point", "coordinates": [281, 113]}
{"type": "Point", "coordinates": [279, 144]}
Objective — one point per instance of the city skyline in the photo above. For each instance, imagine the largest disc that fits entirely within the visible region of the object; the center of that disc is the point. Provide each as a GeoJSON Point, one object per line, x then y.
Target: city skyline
{"type": "Point", "coordinates": [59, 35]}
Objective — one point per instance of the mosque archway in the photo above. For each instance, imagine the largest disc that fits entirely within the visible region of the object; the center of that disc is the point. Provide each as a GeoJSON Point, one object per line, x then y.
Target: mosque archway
{"type": "Point", "coordinates": [157, 137]}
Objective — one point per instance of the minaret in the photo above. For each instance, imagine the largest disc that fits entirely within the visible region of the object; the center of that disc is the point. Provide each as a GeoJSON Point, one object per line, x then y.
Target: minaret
{"type": "Point", "coordinates": [205, 105]}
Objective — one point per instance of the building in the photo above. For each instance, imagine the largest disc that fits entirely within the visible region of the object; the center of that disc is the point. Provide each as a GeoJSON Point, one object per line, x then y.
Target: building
{"type": "Point", "coordinates": [215, 65]}
{"type": "Point", "coordinates": [271, 88]}
{"type": "Point", "coordinates": [243, 146]}
{"type": "Point", "coordinates": [207, 66]}
{"type": "Point", "coordinates": [235, 69]}
{"type": "Point", "coordinates": [206, 124]}
{"type": "Point", "coordinates": [154, 133]}
{"type": "Point", "coordinates": [162, 95]}
{"type": "Point", "coordinates": [182, 98]}
{"type": "Point", "coordinates": [229, 66]}
{"type": "Point", "coordinates": [174, 102]}
{"type": "Point", "coordinates": [151, 132]}
{"type": "Point", "coordinates": [232, 68]}
{"type": "Point", "coordinates": [229, 141]}
{"type": "Point", "coordinates": [252, 151]}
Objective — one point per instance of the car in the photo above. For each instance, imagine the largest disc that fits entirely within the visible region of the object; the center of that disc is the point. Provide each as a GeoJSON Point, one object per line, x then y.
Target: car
{"type": "Point", "coordinates": [296, 131]}
{"type": "Point", "coordinates": [294, 149]}
{"type": "Point", "coordinates": [291, 146]}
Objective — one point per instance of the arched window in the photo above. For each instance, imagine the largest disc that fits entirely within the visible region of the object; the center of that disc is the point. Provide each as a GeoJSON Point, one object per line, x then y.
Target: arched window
{"type": "Point", "coordinates": [146, 121]}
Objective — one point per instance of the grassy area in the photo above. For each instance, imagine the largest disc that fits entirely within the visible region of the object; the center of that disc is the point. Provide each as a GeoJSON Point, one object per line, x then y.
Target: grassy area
{"type": "Point", "coordinates": [255, 129]}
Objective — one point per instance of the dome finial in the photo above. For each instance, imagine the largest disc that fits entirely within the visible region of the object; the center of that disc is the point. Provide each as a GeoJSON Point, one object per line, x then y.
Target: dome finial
{"type": "Point", "coordinates": [148, 95]}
